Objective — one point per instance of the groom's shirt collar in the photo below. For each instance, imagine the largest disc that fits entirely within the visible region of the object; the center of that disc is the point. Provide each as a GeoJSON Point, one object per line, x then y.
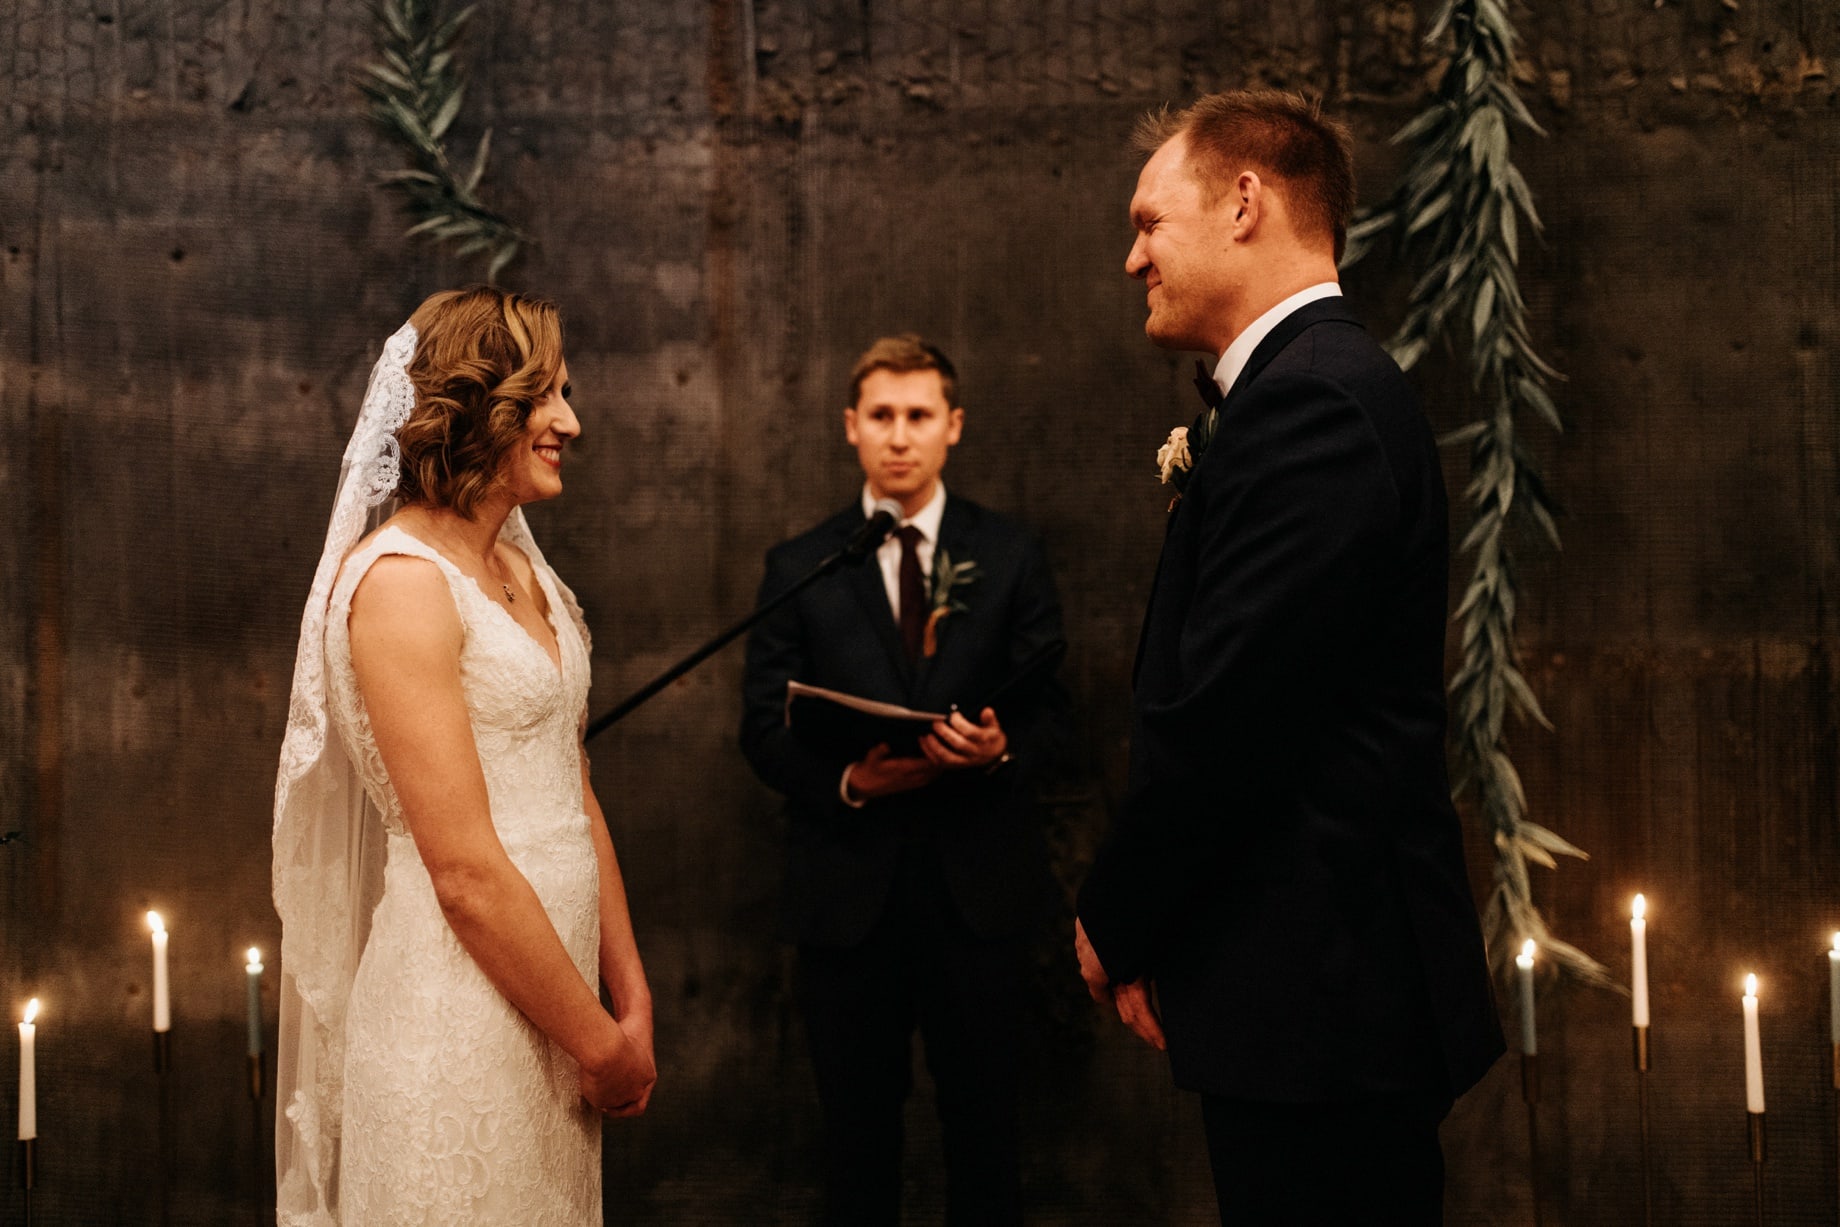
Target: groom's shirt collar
{"type": "Point", "coordinates": [1240, 352]}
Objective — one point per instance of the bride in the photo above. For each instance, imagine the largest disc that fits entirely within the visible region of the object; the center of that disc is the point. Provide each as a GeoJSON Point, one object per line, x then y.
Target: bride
{"type": "Point", "coordinates": [449, 896]}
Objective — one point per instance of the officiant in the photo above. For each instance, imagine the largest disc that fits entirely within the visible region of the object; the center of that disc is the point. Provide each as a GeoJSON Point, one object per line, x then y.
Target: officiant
{"type": "Point", "coordinates": [912, 871]}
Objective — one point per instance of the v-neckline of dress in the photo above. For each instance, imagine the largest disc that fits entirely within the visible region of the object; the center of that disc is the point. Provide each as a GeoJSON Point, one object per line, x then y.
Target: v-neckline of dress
{"type": "Point", "coordinates": [549, 602]}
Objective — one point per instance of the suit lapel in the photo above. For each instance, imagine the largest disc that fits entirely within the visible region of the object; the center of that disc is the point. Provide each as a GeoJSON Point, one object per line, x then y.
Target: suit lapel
{"type": "Point", "coordinates": [957, 539]}
{"type": "Point", "coordinates": [865, 580]}
{"type": "Point", "coordinates": [1289, 329]}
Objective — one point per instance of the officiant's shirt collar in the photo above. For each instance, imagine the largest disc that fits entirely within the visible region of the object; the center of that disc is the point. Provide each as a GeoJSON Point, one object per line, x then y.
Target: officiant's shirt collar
{"type": "Point", "coordinates": [926, 519]}
{"type": "Point", "coordinates": [1240, 352]}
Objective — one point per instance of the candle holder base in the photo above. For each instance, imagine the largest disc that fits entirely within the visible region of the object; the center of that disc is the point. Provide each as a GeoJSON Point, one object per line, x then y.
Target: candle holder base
{"type": "Point", "coordinates": [1530, 1078]}
{"type": "Point", "coordinates": [1641, 1046]}
{"type": "Point", "coordinates": [162, 1051]}
{"type": "Point", "coordinates": [255, 1076]}
{"type": "Point", "coordinates": [28, 1164]}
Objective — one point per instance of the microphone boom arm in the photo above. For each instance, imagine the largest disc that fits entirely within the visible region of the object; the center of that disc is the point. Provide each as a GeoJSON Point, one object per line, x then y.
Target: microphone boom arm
{"type": "Point", "coordinates": [853, 552]}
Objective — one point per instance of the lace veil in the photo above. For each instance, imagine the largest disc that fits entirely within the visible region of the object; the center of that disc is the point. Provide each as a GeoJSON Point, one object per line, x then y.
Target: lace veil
{"type": "Point", "coordinates": [328, 841]}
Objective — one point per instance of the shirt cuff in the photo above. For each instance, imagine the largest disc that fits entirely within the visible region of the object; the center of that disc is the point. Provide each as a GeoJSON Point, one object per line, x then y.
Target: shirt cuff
{"type": "Point", "coordinates": [843, 790]}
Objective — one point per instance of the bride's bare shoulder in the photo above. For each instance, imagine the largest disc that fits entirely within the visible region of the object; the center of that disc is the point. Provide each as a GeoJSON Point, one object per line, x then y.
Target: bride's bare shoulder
{"type": "Point", "coordinates": [397, 584]}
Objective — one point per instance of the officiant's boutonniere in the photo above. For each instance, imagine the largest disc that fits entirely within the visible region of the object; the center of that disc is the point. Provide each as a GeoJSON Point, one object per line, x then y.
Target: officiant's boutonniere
{"type": "Point", "coordinates": [1181, 452]}
{"type": "Point", "coordinates": [948, 577]}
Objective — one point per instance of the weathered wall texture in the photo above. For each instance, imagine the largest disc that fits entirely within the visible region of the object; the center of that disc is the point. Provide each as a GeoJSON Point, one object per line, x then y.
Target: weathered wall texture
{"type": "Point", "coordinates": [731, 199]}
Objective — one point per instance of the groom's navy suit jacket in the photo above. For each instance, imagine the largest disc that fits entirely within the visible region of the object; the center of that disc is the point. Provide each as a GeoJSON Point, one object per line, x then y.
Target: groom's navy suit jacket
{"type": "Point", "coordinates": [1286, 863]}
{"type": "Point", "coordinates": [841, 634]}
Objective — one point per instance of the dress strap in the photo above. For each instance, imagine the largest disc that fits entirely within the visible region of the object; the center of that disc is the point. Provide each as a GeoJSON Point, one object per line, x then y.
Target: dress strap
{"type": "Point", "coordinates": [393, 540]}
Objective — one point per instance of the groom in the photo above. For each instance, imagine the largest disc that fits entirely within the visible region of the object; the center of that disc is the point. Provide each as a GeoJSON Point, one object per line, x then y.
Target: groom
{"type": "Point", "coordinates": [1282, 902]}
{"type": "Point", "coordinates": [911, 878]}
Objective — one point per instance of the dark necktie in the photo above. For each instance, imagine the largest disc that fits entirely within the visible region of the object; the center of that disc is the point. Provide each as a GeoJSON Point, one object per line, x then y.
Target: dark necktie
{"type": "Point", "coordinates": [913, 591]}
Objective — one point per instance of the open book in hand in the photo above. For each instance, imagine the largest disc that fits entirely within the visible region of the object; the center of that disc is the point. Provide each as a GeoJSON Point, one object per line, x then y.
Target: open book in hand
{"type": "Point", "coordinates": [850, 725]}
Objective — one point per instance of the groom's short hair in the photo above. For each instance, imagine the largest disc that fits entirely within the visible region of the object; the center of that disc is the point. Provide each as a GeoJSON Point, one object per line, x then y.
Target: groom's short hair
{"type": "Point", "coordinates": [903, 353]}
{"type": "Point", "coordinates": [1284, 137]}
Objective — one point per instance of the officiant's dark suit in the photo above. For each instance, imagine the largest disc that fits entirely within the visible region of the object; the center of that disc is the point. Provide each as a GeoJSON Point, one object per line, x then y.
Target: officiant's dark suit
{"type": "Point", "coordinates": [909, 906]}
{"type": "Point", "coordinates": [1286, 867]}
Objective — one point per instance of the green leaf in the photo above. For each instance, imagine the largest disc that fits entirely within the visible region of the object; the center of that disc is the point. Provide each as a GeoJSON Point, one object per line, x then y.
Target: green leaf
{"type": "Point", "coordinates": [500, 258]}
{"type": "Point", "coordinates": [389, 76]}
{"type": "Point", "coordinates": [445, 115]}
{"type": "Point", "coordinates": [450, 29]}
{"type": "Point", "coordinates": [1485, 302]}
{"type": "Point", "coordinates": [1433, 210]}
{"type": "Point", "coordinates": [394, 18]}
{"type": "Point", "coordinates": [1422, 123]}
{"type": "Point", "coordinates": [1552, 841]}
{"type": "Point", "coordinates": [478, 170]}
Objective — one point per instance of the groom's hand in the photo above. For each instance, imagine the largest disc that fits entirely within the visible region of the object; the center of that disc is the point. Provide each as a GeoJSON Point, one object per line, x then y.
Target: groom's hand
{"type": "Point", "coordinates": [1135, 1002]}
{"type": "Point", "coordinates": [1098, 984]}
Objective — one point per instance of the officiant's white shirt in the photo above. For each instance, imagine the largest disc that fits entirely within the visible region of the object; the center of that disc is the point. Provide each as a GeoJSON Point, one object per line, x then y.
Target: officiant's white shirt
{"type": "Point", "coordinates": [889, 556]}
{"type": "Point", "coordinates": [1240, 352]}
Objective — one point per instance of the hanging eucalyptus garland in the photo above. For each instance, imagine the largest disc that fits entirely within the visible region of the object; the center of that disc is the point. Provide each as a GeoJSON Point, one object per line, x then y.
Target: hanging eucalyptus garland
{"type": "Point", "coordinates": [1456, 215]}
{"type": "Point", "coordinates": [415, 95]}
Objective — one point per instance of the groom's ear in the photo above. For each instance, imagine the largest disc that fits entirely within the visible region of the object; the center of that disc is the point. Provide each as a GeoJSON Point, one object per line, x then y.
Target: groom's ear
{"type": "Point", "coordinates": [955, 426]}
{"type": "Point", "coordinates": [849, 424]}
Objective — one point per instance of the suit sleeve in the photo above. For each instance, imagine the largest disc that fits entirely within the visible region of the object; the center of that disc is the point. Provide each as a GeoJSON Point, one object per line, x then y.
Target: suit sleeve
{"type": "Point", "coordinates": [776, 654]}
{"type": "Point", "coordinates": [1296, 508]}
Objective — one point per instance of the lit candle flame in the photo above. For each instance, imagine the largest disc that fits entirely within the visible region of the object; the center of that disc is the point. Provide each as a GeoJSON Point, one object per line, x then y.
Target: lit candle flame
{"type": "Point", "coordinates": [1837, 943]}
{"type": "Point", "coordinates": [155, 923]}
{"type": "Point", "coordinates": [31, 1009]}
{"type": "Point", "coordinates": [255, 959]}
{"type": "Point", "coordinates": [1527, 948]}
{"type": "Point", "coordinates": [1639, 908]}
{"type": "Point", "coordinates": [1750, 986]}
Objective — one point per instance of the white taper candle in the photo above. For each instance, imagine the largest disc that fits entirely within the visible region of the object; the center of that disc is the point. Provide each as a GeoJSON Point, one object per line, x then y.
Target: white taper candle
{"type": "Point", "coordinates": [1638, 959]}
{"type": "Point", "coordinates": [253, 970]}
{"type": "Point", "coordinates": [162, 993]}
{"type": "Point", "coordinates": [28, 1073]}
{"type": "Point", "coordinates": [1530, 1043]}
{"type": "Point", "coordinates": [1753, 1049]}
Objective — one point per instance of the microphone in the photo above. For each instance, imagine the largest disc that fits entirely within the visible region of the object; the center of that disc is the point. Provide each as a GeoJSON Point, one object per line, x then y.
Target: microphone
{"type": "Point", "coordinates": [873, 532]}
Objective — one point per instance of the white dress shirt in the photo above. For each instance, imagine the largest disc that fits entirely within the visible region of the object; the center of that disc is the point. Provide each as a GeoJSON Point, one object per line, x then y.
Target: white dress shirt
{"type": "Point", "coordinates": [889, 555]}
{"type": "Point", "coordinates": [1240, 352]}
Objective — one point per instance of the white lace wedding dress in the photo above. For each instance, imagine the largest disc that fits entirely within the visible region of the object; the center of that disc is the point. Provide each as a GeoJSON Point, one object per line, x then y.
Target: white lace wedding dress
{"type": "Point", "coordinates": [456, 1109]}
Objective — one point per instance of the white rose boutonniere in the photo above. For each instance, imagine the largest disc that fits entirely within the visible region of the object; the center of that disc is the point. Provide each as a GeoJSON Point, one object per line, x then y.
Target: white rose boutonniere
{"type": "Point", "coordinates": [1173, 457]}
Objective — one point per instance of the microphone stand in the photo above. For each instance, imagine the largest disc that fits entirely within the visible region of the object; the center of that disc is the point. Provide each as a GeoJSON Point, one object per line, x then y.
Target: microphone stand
{"type": "Point", "coordinates": [852, 554]}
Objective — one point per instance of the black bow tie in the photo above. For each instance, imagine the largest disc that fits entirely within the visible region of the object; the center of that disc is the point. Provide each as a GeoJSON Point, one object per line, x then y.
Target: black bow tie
{"type": "Point", "coordinates": [1211, 395]}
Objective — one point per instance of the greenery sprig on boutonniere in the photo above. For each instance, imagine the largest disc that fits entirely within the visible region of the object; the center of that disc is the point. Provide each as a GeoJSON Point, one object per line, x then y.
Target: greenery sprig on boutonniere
{"type": "Point", "coordinates": [948, 577]}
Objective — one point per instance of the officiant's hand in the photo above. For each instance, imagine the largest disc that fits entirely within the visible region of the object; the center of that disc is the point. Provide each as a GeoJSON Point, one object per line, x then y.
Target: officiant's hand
{"type": "Point", "coordinates": [957, 743]}
{"type": "Point", "coordinates": [882, 773]}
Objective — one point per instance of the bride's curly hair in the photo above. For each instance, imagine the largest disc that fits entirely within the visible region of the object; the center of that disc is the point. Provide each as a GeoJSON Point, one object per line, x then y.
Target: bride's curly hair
{"type": "Point", "coordinates": [483, 358]}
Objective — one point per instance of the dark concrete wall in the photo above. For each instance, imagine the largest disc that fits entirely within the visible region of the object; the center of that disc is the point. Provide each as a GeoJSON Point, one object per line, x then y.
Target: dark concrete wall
{"type": "Point", "coordinates": [731, 199]}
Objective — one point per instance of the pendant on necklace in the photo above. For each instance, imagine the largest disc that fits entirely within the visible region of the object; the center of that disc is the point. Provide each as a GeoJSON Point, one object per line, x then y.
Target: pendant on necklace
{"type": "Point", "coordinates": [510, 596]}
